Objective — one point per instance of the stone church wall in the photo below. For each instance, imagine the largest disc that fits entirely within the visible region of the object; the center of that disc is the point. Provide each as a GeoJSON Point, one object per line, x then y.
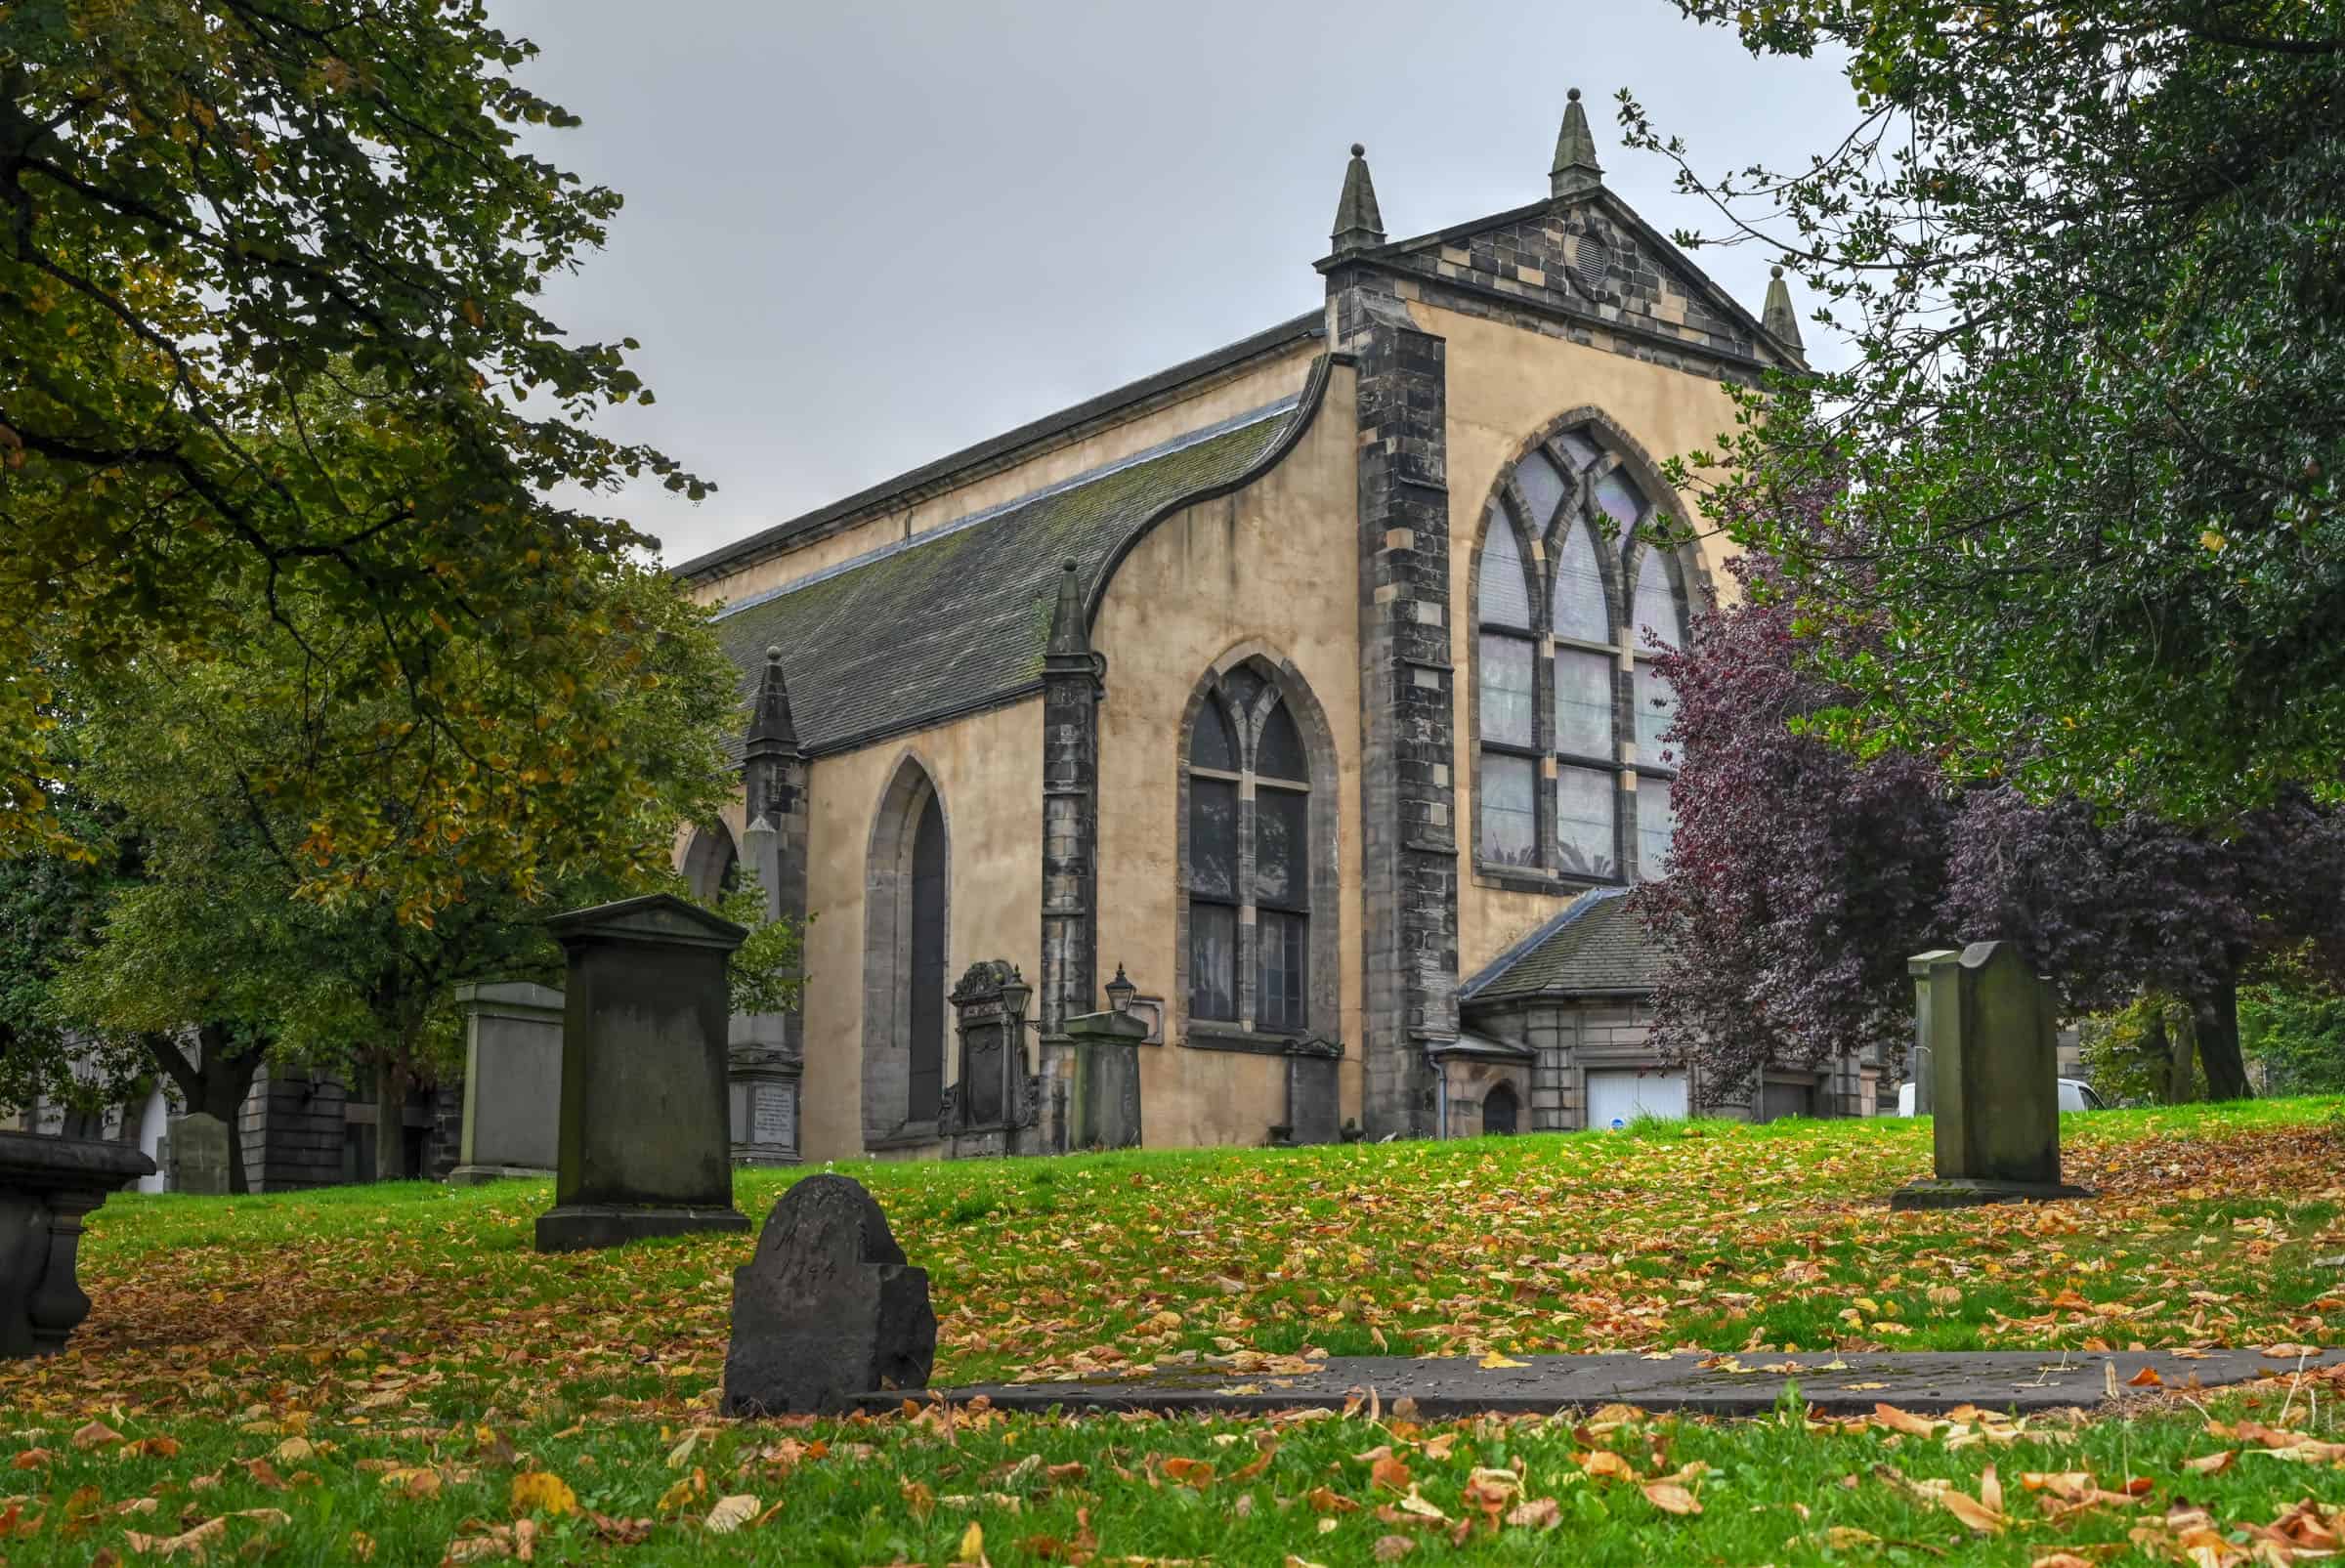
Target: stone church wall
{"type": "Point", "coordinates": [1269, 571]}
{"type": "Point", "coordinates": [987, 769]}
{"type": "Point", "coordinates": [1507, 384]}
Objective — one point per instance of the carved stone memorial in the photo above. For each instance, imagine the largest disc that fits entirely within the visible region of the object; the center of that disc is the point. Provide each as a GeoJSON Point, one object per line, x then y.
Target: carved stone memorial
{"type": "Point", "coordinates": [198, 1157]}
{"type": "Point", "coordinates": [512, 1081]}
{"type": "Point", "coordinates": [1995, 1086]}
{"type": "Point", "coordinates": [827, 1309]}
{"type": "Point", "coordinates": [644, 1149]}
{"type": "Point", "coordinates": [46, 1186]}
{"type": "Point", "coordinates": [993, 1106]}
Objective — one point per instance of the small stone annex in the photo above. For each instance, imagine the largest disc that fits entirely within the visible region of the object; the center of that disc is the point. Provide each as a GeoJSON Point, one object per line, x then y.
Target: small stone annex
{"type": "Point", "coordinates": [1304, 688]}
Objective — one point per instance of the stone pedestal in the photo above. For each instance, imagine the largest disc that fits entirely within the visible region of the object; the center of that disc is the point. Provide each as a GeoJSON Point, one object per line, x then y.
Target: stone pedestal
{"type": "Point", "coordinates": [765, 1075]}
{"type": "Point", "coordinates": [46, 1186]}
{"type": "Point", "coordinates": [512, 1081]}
{"type": "Point", "coordinates": [1995, 1085]}
{"type": "Point", "coordinates": [644, 1149]}
{"type": "Point", "coordinates": [1919, 1070]}
{"type": "Point", "coordinates": [198, 1155]}
{"type": "Point", "coordinates": [1105, 1096]}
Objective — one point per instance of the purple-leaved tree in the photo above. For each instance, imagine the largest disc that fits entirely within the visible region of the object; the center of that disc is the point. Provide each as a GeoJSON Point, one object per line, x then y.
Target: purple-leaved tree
{"type": "Point", "coordinates": [1803, 876]}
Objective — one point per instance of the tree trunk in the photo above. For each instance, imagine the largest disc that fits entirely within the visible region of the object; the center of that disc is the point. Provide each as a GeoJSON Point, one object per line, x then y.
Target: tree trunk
{"type": "Point", "coordinates": [217, 1086]}
{"type": "Point", "coordinates": [391, 1120]}
{"type": "Point", "coordinates": [2215, 1017]}
{"type": "Point", "coordinates": [2176, 1038]}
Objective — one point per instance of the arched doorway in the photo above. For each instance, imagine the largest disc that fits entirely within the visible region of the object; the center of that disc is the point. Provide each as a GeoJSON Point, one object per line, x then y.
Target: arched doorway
{"type": "Point", "coordinates": [1500, 1109]}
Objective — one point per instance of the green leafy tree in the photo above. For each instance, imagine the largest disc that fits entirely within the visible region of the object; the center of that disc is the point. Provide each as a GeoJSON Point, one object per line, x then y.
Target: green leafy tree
{"type": "Point", "coordinates": [2088, 443]}
{"type": "Point", "coordinates": [361, 982]}
{"type": "Point", "coordinates": [271, 346]}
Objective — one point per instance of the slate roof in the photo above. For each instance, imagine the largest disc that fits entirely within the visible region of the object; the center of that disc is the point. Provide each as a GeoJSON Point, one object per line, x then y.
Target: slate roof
{"type": "Point", "coordinates": [956, 619]}
{"type": "Point", "coordinates": [849, 510]}
{"type": "Point", "coordinates": [1595, 944]}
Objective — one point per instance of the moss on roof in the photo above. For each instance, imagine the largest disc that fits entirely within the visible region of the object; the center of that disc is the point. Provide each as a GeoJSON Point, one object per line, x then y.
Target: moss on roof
{"type": "Point", "coordinates": [1597, 944]}
{"type": "Point", "coordinates": [956, 619]}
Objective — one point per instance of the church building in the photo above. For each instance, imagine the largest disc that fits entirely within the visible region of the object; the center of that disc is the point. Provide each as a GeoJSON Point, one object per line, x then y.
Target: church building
{"type": "Point", "coordinates": [1295, 703]}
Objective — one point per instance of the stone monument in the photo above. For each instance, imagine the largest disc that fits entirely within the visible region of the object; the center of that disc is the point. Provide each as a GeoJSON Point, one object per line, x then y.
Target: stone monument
{"type": "Point", "coordinates": [46, 1185]}
{"type": "Point", "coordinates": [643, 1145]}
{"type": "Point", "coordinates": [1919, 1070]}
{"type": "Point", "coordinates": [827, 1309]}
{"type": "Point", "coordinates": [1105, 1095]}
{"type": "Point", "coordinates": [198, 1157]}
{"type": "Point", "coordinates": [1995, 1087]}
{"type": "Point", "coordinates": [512, 1081]}
{"type": "Point", "coordinates": [994, 1105]}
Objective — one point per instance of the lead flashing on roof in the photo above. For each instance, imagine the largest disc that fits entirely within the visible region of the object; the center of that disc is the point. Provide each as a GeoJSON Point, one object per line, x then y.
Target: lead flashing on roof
{"type": "Point", "coordinates": [971, 462]}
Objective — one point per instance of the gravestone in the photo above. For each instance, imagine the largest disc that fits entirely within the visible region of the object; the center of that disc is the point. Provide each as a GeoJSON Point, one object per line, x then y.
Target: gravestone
{"type": "Point", "coordinates": [992, 1105]}
{"type": "Point", "coordinates": [512, 1081]}
{"type": "Point", "coordinates": [46, 1186]}
{"type": "Point", "coordinates": [765, 1072]}
{"type": "Point", "coordinates": [198, 1157]}
{"type": "Point", "coordinates": [643, 1147]}
{"type": "Point", "coordinates": [827, 1309]}
{"type": "Point", "coordinates": [1106, 1091]}
{"type": "Point", "coordinates": [1995, 1085]}
{"type": "Point", "coordinates": [1919, 1070]}
{"type": "Point", "coordinates": [1314, 1090]}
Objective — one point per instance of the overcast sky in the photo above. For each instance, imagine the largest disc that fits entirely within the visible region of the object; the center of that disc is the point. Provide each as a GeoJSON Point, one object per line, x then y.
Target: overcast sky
{"type": "Point", "coordinates": [858, 236]}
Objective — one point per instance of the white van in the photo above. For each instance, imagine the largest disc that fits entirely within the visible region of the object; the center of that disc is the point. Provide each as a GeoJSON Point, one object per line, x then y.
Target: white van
{"type": "Point", "coordinates": [2076, 1094]}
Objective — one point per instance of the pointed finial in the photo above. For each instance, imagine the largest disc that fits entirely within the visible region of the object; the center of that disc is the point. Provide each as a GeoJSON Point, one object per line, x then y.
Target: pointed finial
{"type": "Point", "coordinates": [1575, 169]}
{"type": "Point", "coordinates": [1358, 224]}
{"type": "Point", "coordinates": [1781, 323]}
{"type": "Point", "coordinates": [770, 723]}
{"type": "Point", "coordinates": [1068, 635]}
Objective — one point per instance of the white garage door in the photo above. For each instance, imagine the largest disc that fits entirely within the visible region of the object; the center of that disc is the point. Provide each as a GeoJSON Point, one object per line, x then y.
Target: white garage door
{"type": "Point", "coordinates": [1618, 1096]}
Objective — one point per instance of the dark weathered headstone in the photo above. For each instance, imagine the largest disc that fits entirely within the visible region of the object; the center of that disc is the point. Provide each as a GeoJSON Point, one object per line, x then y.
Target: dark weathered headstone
{"type": "Point", "coordinates": [828, 1309]}
{"type": "Point", "coordinates": [512, 1081]}
{"type": "Point", "coordinates": [198, 1155]}
{"type": "Point", "coordinates": [1106, 1092]}
{"type": "Point", "coordinates": [1995, 1082]}
{"type": "Point", "coordinates": [1314, 1089]}
{"type": "Point", "coordinates": [46, 1186]}
{"type": "Point", "coordinates": [644, 1145]}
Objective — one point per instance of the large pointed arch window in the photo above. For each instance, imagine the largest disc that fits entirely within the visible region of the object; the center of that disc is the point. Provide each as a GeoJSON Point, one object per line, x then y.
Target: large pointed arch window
{"type": "Point", "coordinates": [1573, 778]}
{"type": "Point", "coordinates": [1250, 873]}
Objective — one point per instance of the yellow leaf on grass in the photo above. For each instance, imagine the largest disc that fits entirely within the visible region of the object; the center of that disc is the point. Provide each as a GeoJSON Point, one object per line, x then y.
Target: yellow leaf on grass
{"type": "Point", "coordinates": [731, 1514]}
{"type": "Point", "coordinates": [972, 1544]}
{"type": "Point", "coordinates": [1970, 1512]}
{"type": "Point", "coordinates": [1671, 1498]}
{"type": "Point", "coordinates": [1540, 1513]}
{"type": "Point", "coordinates": [1905, 1420]}
{"type": "Point", "coordinates": [2212, 1463]}
{"type": "Point", "coordinates": [192, 1543]}
{"type": "Point", "coordinates": [2061, 1559]}
{"type": "Point", "coordinates": [544, 1492]}
{"type": "Point", "coordinates": [1848, 1538]}
{"type": "Point", "coordinates": [1494, 1361]}
{"type": "Point", "coordinates": [1605, 1465]}
{"type": "Point", "coordinates": [294, 1451]}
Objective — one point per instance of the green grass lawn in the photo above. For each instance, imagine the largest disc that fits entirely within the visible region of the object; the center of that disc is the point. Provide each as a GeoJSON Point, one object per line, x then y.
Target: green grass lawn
{"type": "Point", "coordinates": [315, 1376]}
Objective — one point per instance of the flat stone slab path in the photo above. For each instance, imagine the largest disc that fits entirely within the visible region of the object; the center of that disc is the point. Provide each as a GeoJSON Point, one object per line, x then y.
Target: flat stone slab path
{"type": "Point", "coordinates": [1925, 1381]}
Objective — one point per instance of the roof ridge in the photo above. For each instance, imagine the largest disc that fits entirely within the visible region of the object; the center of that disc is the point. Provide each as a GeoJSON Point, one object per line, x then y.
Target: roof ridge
{"type": "Point", "coordinates": [1091, 476]}
{"type": "Point", "coordinates": [1310, 324]}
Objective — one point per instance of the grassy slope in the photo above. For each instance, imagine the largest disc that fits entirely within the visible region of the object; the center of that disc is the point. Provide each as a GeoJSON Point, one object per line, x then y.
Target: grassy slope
{"type": "Point", "coordinates": [395, 1324]}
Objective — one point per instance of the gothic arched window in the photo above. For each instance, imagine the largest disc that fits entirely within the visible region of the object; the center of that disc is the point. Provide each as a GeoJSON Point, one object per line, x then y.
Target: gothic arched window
{"type": "Point", "coordinates": [1572, 785]}
{"type": "Point", "coordinates": [1249, 869]}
